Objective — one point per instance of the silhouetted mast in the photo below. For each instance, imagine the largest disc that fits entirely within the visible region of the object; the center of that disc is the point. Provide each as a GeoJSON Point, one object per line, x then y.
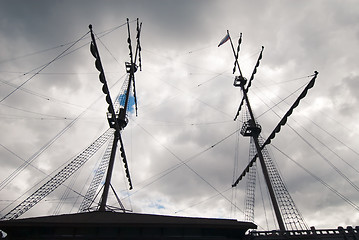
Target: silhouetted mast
{"type": "Point", "coordinates": [252, 129]}
{"type": "Point", "coordinates": [117, 120]}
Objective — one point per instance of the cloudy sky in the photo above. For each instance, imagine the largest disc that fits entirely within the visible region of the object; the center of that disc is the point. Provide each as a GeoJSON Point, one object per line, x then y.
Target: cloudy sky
{"type": "Point", "coordinates": [186, 102]}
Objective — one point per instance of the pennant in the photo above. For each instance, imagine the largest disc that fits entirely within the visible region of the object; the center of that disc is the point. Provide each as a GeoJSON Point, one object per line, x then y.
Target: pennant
{"type": "Point", "coordinates": [225, 39]}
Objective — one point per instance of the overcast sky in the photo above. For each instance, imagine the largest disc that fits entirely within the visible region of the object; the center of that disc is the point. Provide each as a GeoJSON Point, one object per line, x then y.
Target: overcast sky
{"type": "Point", "coordinates": [186, 102]}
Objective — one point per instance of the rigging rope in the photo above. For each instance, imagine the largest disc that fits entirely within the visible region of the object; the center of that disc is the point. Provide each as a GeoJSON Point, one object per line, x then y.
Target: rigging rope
{"type": "Point", "coordinates": [65, 194]}
{"type": "Point", "coordinates": [167, 123]}
{"type": "Point", "coordinates": [263, 203]}
{"type": "Point", "coordinates": [235, 167]}
{"type": "Point", "coordinates": [103, 44]}
{"type": "Point", "coordinates": [327, 160]}
{"type": "Point", "coordinates": [191, 95]}
{"type": "Point", "coordinates": [274, 83]}
{"type": "Point", "coordinates": [8, 179]}
{"type": "Point", "coordinates": [222, 73]}
{"type": "Point", "coordinates": [33, 53]}
{"type": "Point", "coordinates": [20, 87]}
{"type": "Point", "coordinates": [97, 178]}
{"type": "Point", "coordinates": [50, 117]}
{"type": "Point", "coordinates": [346, 178]}
{"type": "Point", "coordinates": [317, 125]}
{"type": "Point", "coordinates": [315, 149]}
{"type": "Point", "coordinates": [103, 33]}
{"type": "Point", "coordinates": [356, 207]}
{"type": "Point", "coordinates": [249, 200]}
{"type": "Point", "coordinates": [282, 100]}
{"type": "Point", "coordinates": [26, 163]}
{"type": "Point", "coordinates": [334, 137]}
{"type": "Point", "coordinates": [46, 65]}
{"type": "Point", "coordinates": [211, 197]}
{"type": "Point", "coordinates": [16, 172]}
{"type": "Point", "coordinates": [182, 162]}
{"type": "Point", "coordinates": [47, 175]}
{"type": "Point", "coordinates": [212, 78]}
{"type": "Point", "coordinates": [59, 178]}
{"type": "Point", "coordinates": [41, 114]}
{"type": "Point", "coordinates": [207, 199]}
{"type": "Point", "coordinates": [282, 122]}
{"type": "Point", "coordinates": [36, 94]}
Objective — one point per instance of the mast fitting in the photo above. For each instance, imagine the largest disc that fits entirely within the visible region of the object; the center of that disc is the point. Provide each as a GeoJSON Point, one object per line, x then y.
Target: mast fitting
{"type": "Point", "coordinates": [130, 67]}
{"type": "Point", "coordinates": [251, 129]}
{"type": "Point", "coordinates": [239, 81]}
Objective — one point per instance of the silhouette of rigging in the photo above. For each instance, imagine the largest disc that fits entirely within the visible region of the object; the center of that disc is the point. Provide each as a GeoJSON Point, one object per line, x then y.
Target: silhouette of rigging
{"type": "Point", "coordinates": [287, 215]}
{"type": "Point", "coordinates": [117, 119]}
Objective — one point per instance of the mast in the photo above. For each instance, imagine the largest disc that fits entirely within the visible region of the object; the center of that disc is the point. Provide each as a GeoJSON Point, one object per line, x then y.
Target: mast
{"type": "Point", "coordinates": [131, 68]}
{"type": "Point", "coordinates": [116, 126]}
{"type": "Point", "coordinates": [116, 120]}
{"type": "Point", "coordinates": [252, 129]}
{"type": "Point", "coordinates": [109, 173]}
{"type": "Point", "coordinates": [283, 205]}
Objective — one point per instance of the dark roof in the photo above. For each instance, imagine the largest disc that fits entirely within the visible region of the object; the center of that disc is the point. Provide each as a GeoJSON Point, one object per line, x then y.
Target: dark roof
{"type": "Point", "coordinates": [127, 219]}
{"type": "Point", "coordinates": [112, 225]}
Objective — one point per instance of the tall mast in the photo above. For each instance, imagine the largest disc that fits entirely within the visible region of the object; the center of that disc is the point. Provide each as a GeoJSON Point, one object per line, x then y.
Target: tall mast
{"type": "Point", "coordinates": [252, 129]}
{"type": "Point", "coordinates": [282, 203]}
{"type": "Point", "coordinates": [118, 121]}
{"type": "Point", "coordinates": [116, 125]}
